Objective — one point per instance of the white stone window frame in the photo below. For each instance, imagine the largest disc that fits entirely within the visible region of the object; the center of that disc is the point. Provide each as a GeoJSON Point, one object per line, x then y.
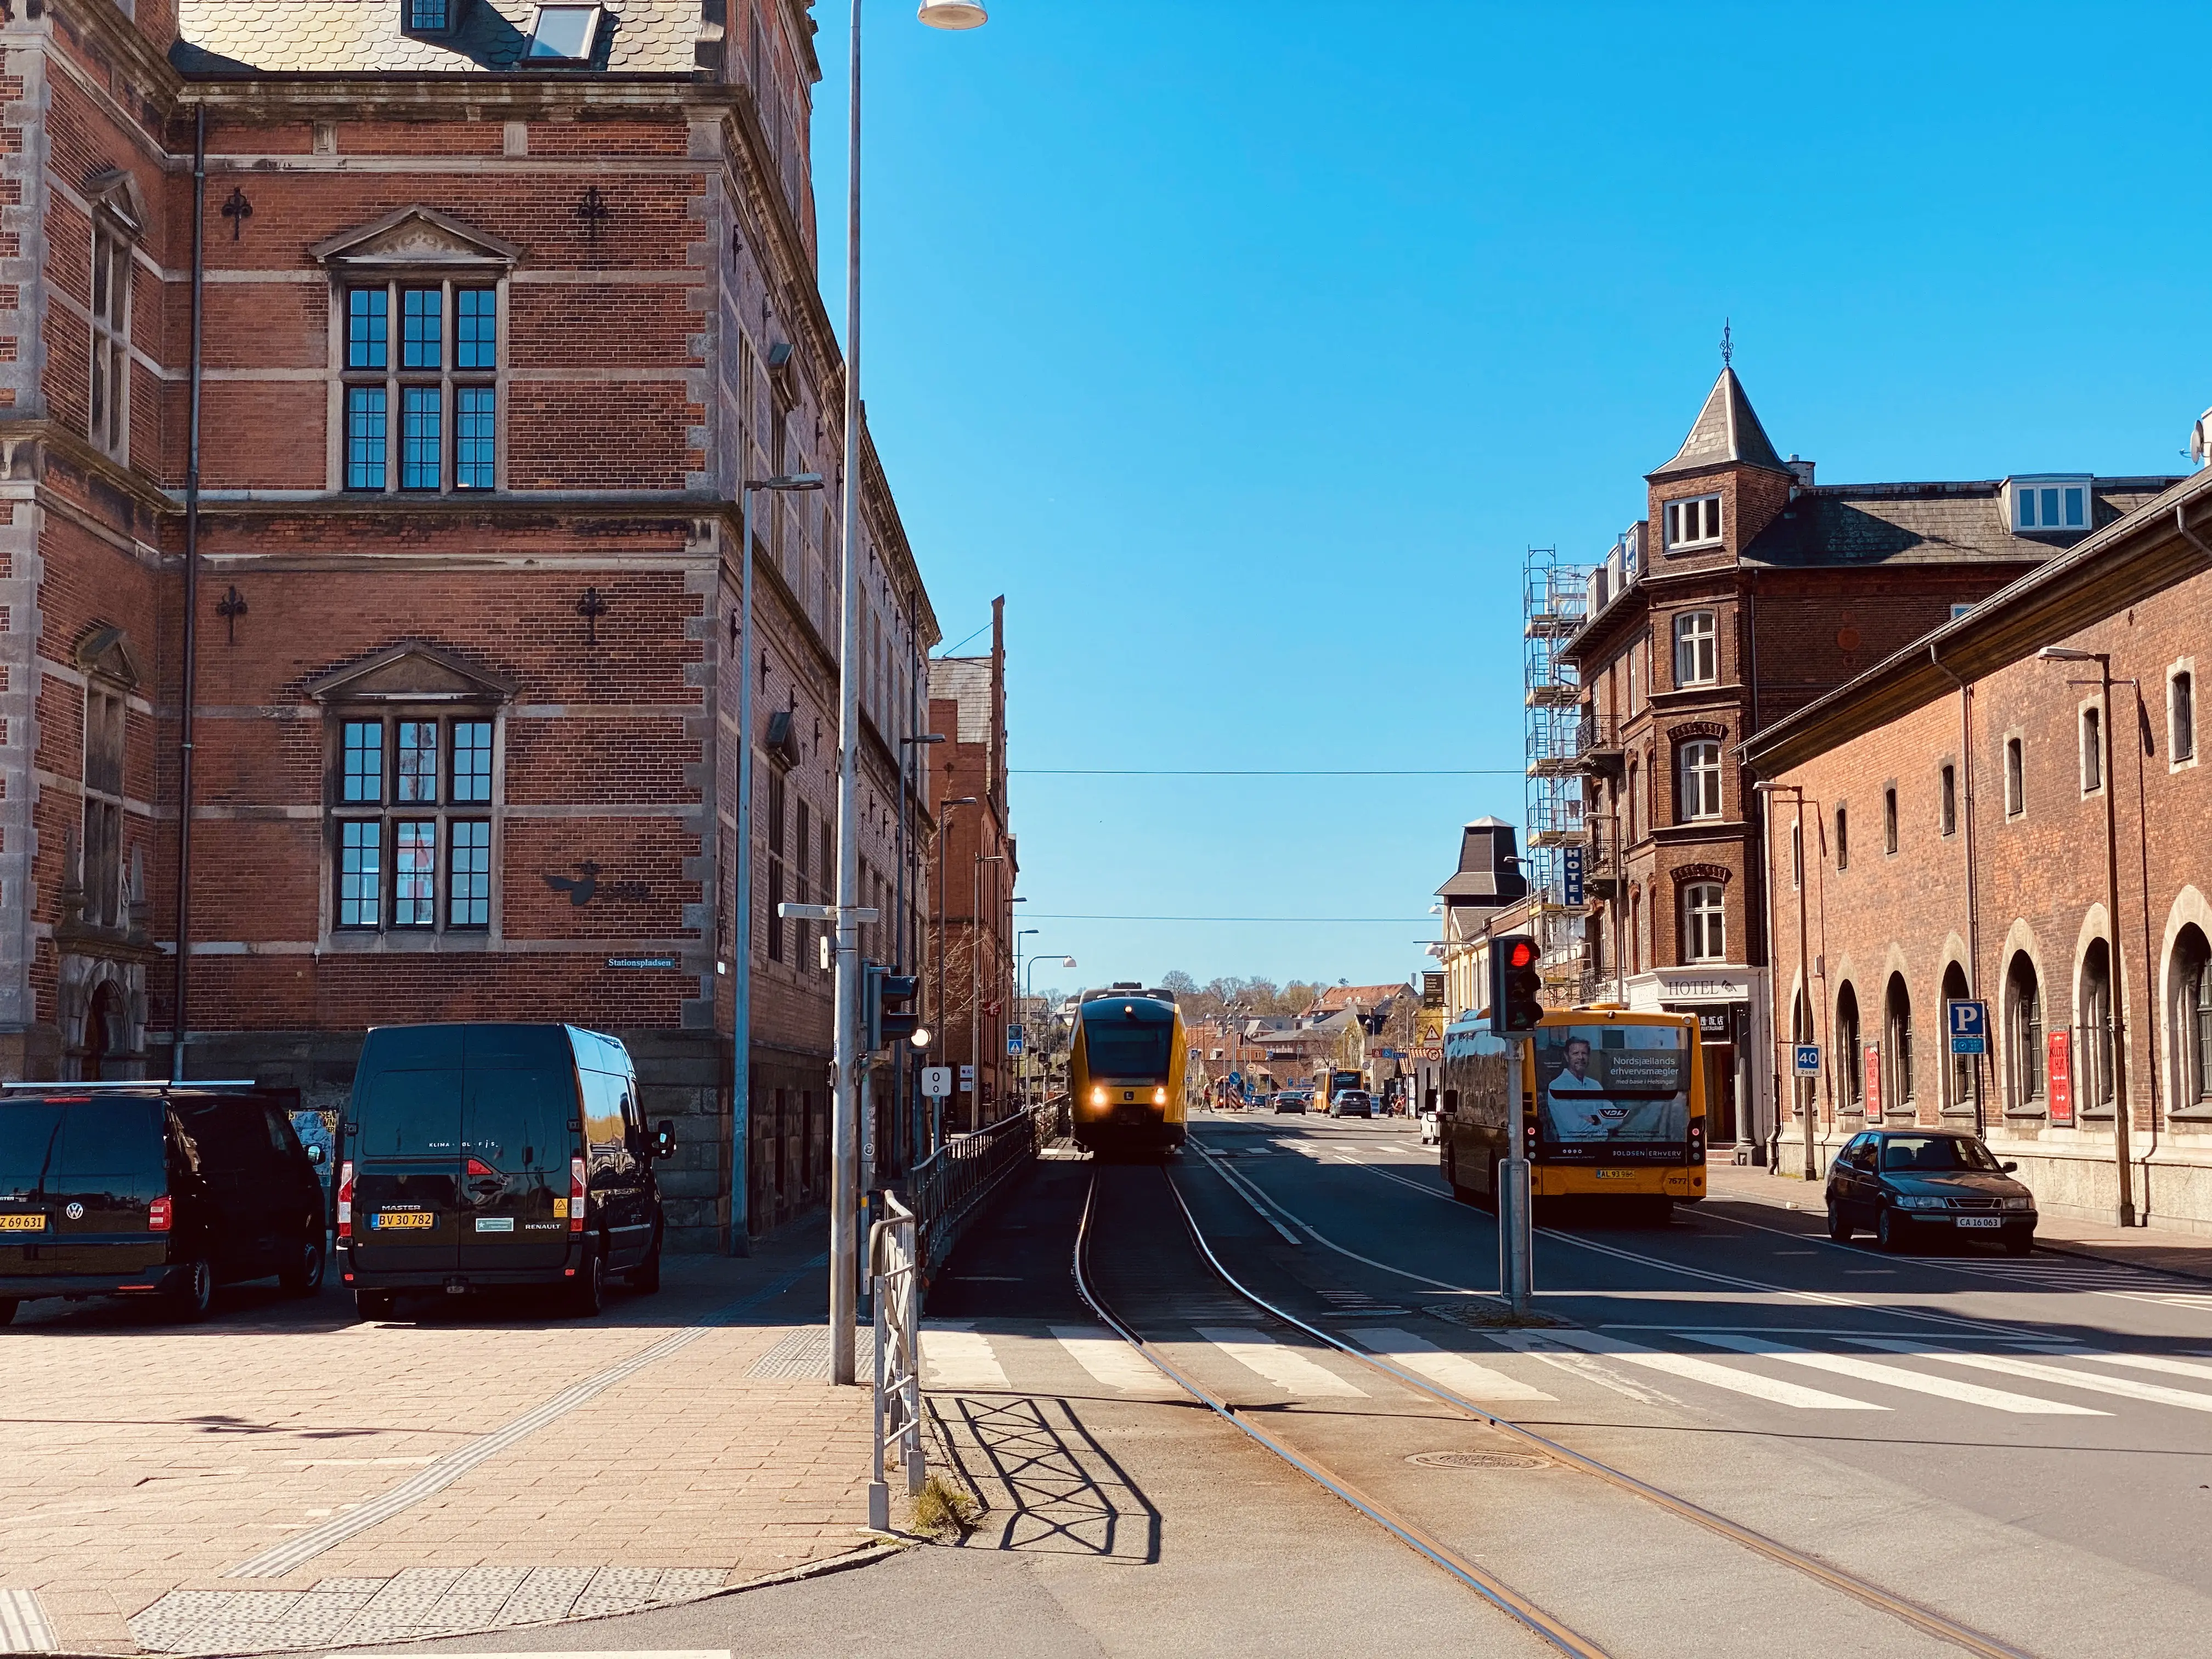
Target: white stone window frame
{"type": "Point", "coordinates": [1701, 785]}
{"type": "Point", "coordinates": [1704, 923]}
{"type": "Point", "coordinates": [418, 247]}
{"type": "Point", "coordinates": [1697, 640]}
{"type": "Point", "coordinates": [1694, 521]}
{"type": "Point", "coordinates": [2174, 671]}
{"type": "Point", "coordinates": [115, 233]}
{"type": "Point", "coordinates": [2090, 712]}
{"type": "Point", "coordinates": [2012, 772]}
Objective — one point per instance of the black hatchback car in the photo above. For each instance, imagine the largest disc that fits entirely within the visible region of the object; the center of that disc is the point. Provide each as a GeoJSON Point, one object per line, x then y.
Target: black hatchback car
{"type": "Point", "coordinates": [475, 1157]}
{"type": "Point", "coordinates": [1909, 1184]}
{"type": "Point", "coordinates": [154, 1189]}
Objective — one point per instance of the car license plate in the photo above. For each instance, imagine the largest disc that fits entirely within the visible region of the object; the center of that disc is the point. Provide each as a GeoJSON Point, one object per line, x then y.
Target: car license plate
{"type": "Point", "coordinates": [22, 1224]}
{"type": "Point", "coordinates": [1981, 1221]}
{"type": "Point", "coordinates": [403, 1220]}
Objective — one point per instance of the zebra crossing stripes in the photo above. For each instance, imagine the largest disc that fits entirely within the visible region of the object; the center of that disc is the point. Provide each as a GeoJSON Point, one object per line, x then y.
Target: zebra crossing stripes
{"type": "Point", "coordinates": [1897, 1376]}
{"type": "Point", "coordinates": [953, 1356]}
{"type": "Point", "coordinates": [1286, 1368]}
{"type": "Point", "coordinates": [2065, 1377]}
{"type": "Point", "coordinates": [1113, 1362]}
{"type": "Point", "coordinates": [1465, 1377]}
{"type": "Point", "coordinates": [1713, 1375]}
{"type": "Point", "coordinates": [2141, 1362]}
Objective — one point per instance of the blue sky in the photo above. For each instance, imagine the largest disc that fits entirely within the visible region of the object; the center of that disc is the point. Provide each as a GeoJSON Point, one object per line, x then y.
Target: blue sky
{"type": "Point", "coordinates": [1245, 344]}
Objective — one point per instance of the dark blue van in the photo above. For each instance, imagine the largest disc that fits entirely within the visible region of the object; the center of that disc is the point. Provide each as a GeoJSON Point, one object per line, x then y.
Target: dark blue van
{"type": "Point", "coordinates": [480, 1156]}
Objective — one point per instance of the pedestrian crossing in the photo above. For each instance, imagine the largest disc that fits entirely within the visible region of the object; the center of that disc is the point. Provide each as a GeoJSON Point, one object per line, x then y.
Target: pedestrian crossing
{"type": "Point", "coordinates": [2049, 1272]}
{"type": "Point", "coordinates": [1824, 1372]}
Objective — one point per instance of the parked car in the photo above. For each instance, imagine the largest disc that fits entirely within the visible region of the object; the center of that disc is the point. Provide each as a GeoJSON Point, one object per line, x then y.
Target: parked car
{"type": "Point", "coordinates": [476, 1156]}
{"type": "Point", "coordinates": [154, 1189]}
{"type": "Point", "coordinates": [1352, 1103]}
{"type": "Point", "coordinates": [1290, 1101]}
{"type": "Point", "coordinates": [1432, 1131]}
{"type": "Point", "coordinates": [1908, 1184]}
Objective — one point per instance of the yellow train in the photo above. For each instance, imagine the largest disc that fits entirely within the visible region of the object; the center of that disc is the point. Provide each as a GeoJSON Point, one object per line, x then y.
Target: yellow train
{"type": "Point", "coordinates": [1125, 1073]}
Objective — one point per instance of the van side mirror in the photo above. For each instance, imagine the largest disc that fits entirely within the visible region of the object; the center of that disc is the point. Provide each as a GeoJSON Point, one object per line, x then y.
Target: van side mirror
{"type": "Point", "coordinates": [2009, 1168]}
{"type": "Point", "coordinates": [663, 1137]}
{"type": "Point", "coordinates": [314, 1154]}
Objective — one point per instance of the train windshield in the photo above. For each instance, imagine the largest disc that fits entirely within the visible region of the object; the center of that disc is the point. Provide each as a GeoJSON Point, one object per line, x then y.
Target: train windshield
{"type": "Point", "coordinates": [1134, 1044]}
{"type": "Point", "coordinates": [1612, 1091]}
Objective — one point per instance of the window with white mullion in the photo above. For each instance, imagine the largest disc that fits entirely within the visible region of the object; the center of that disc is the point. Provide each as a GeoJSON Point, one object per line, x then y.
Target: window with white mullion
{"type": "Point", "coordinates": [421, 392]}
{"type": "Point", "coordinates": [412, 800]}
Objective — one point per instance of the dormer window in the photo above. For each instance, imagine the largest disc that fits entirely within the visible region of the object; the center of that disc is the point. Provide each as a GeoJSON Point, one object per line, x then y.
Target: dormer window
{"type": "Point", "coordinates": [1694, 522]}
{"type": "Point", "coordinates": [430, 17]}
{"type": "Point", "coordinates": [2039, 505]}
{"type": "Point", "coordinates": [564, 35]}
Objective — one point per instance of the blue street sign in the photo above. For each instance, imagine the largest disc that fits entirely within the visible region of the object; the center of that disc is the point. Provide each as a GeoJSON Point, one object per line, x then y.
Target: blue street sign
{"type": "Point", "coordinates": [1808, 1060]}
{"type": "Point", "coordinates": [1014, 1043]}
{"type": "Point", "coordinates": [1015, 1032]}
{"type": "Point", "coordinates": [1570, 875]}
{"type": "Point", "coordinates": [1970, 1027]}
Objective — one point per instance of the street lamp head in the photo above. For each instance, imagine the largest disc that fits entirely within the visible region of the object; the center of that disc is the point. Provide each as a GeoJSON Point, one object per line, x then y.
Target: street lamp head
{"type": "Point", "coordinates": [786, 481]}
{"type": "Point", "coordinates": [2064, 653]}
{"type": "Point", "coordinates": [959, 801]}
{"type": "Point", "coordinates": [927, 737]}
{"type": "Point", "coordinates": [1067, 961]}
{"type": "Point", "coordinates": [953, 15]}
{"type": "Point", "coordinates": [919, 1037]}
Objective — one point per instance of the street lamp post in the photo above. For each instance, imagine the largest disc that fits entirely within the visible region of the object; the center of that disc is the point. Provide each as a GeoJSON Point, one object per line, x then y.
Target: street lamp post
{"type": "Point", "coordinates": [741, 944]}
{"type": "Point", "coordinates": [2115, 978]}
{"type": "Point", "coordinates": [1021, 1071]}
{"type": "Point", "coordinates": [844, 1127]}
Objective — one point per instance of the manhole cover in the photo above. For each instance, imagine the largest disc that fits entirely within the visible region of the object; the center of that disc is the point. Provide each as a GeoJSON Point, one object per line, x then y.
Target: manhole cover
{"type": "Point", "coordinates": [1475, 1461]}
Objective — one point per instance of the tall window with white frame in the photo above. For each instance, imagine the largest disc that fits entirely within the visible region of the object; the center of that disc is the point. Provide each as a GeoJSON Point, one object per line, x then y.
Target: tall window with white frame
{"type": "Point", "coordinates": [1701, 780]}
{"type": "Point", "coordinates": [2181, 716]}
{"type": "Point", "coordinates": [1900, 1087]}
{"type": "Point", "coordinates": [2016, 778]}
{"type": "Point", "coordinates": [410, 801]}
{"type": "Point", "coordinates": [421, 387]}
{"type": "Point", "coordinates": [108, 412]}
{"type": "Point", "coordinates": [101, 862]}
{"type": "Point", "coordinates": [1704, 923]}
{"type": "Point", "coordinates": [2024, 1029]}
{"type": "Point", "coordinates": [1694, 522]}
{"type": "Point", "coordinates": [2092, 750]}
{"type": "Point", "coordinates": [2094, 1041]}
{"type": "Point", "coordinates": [1697, 650]}
{"type": "Point", "coordinates": [2192, 1019]}
{"type": "Point", "coordinates": [1964, 1081]}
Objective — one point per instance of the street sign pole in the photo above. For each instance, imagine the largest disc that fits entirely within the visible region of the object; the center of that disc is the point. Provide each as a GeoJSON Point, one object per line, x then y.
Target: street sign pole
{"type": "Point", "coordinates": [1517, 1240]}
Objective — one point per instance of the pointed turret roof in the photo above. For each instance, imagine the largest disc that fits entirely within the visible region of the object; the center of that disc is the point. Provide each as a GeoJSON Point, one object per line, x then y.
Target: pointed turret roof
{"type": "Point", "coordinates": [1727, 432]}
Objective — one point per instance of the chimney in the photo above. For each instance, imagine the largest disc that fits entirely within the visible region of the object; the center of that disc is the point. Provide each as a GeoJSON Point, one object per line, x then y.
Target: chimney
{"type": "Point", "coordinates": [1804, 471]}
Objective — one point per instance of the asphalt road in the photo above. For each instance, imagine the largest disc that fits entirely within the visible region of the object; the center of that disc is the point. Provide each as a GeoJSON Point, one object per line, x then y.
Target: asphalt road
{"type": "Point", "coordinates": [2023, 1446]}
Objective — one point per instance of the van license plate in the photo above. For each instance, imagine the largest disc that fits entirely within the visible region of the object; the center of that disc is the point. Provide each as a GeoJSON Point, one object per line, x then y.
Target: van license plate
{"type": "Point", "coordinates": [403, 1220]}
{"type": "Point", "coordinates": [22, 1224]}
{"type": "Point", "coordinates": [1981, 1221]}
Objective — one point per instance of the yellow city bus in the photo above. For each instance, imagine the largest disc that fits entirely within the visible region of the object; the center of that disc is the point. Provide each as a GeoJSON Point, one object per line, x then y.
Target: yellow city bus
{"type": "Point", "coordinates": [1609, 1105]}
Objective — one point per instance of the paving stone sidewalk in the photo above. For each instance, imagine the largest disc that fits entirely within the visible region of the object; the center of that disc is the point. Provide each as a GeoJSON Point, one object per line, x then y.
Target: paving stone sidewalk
{"type": "Point", "coordinates": [484, 1465]}
{"type": "Point", "coordinates": [2160, 1249]}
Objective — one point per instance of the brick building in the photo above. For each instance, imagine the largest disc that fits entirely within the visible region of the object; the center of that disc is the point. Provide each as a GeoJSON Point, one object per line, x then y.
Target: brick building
{"type": "Point", "coordinates": [490, 308]}
{"type": "Point", "coordinates": [1952, 832]}
{"type": "Point", "coordinates": [1748, 591]}
{"type": "Point", "coordinates": [976, 871]}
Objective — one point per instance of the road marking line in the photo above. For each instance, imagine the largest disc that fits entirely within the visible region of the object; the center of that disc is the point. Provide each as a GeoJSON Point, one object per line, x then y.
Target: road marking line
{"type": "Point", "coordinates": [24, 1627]}
{"type": "Point", "coordinates": [1897, 1376]}
{"type": "Point", "coordinates": [1286, 1368]}
{"type": "Point", "coordinates": [2141, 1362]}
{"type": "Point", "coordinates": [1462, 1376]}
{"type": "Point", "coordinates": [1719, 1377]}
{"type": "Point", "coordinates": [2127, 1388]}
{"type": "Point", "coordinates": [1113, 1362]}
{"type": "Point", "coordinates": [954, 1356]}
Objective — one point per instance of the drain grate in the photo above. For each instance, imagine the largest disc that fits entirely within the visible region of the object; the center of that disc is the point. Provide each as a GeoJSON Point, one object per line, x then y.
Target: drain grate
{"type": "Point", "coordinates": [1467, 1460]}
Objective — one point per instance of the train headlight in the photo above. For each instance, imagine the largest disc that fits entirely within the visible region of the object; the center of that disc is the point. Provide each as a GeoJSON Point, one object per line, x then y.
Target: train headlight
{"type": "Point", "coordinates": [1159, 1096]}
{"type": "Point", "coordinates": [1099, 1096]}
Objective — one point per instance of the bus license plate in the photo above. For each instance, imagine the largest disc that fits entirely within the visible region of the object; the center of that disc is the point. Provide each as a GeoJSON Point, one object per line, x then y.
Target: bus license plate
{"type": "Point", "coordinates": [403, 1220]}
{"type": "Point", "coordinates": [1981, 1221]}
{"type": "Point", "coordinates": [1616, 1175]}
{"type": "Point", "coordinates": [22, 1224]}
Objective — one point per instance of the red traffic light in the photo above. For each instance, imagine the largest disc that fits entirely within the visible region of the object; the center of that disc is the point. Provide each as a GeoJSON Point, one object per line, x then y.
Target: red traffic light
{"type": "Point", "coordinates": [1520, 953]}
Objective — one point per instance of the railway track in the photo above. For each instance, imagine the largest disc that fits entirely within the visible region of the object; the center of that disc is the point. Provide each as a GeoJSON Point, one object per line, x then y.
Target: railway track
{"type": "Point", "coordinates": [1540, 1621]}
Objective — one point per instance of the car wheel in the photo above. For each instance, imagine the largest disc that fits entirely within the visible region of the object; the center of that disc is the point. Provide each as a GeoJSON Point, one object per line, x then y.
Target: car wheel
{"type": "Point", "coordinates": [372, 1304]}
{"type": "Point", "coordinates": [1838, 1228]}
{"type": "Point", "coordinates": [303, 1274]}
{"type": "Point", "coordinates": [588, 1292]}
{"type": "Point", "coordinates": [1889, 1232]}
{"type": "Point", "coordinates": [193, 1294]}
{"type": "Point", "coordinates": [2019, 1243]}
{"type": "Point", "coordinates": [7, 1306]}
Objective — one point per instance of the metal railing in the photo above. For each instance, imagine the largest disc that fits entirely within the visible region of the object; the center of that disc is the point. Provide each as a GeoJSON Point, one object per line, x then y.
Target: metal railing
{"type": "Point", "coordinates": [895, 1272]}
{"type": "Point", "coordinates": [946, 1188]}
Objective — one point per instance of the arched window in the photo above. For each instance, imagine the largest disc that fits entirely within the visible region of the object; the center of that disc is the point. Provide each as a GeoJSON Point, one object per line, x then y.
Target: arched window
{"type": "Point", "coordinates": [1960, 1097]}
{"type": "Point", "coordinates": [2192, 1016]}
{"type": "Point", "coordinates": [1898, 1091]}
{"type": "Point", "coordinates": [1850, 1062]}
{"type": "Point", "coordinates": [2024, 1034]}
{"type": "Point", "coordinates": [1631, 802]}
{"type": "Point", "coordinates": [1701, 780]}
{"type": "Point", "coordinates": [2093, 1064]}
{"type": "Point", "coordinates": [1704, 923]}
{"type": "Point", "coordinates": [1636, 931]}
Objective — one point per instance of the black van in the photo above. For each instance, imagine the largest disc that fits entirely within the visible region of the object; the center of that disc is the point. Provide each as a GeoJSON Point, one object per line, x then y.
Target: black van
{"type": "Point", "coordinates": [480, 1156]}
{"type": "Point", "coordinates": [154, 1189]}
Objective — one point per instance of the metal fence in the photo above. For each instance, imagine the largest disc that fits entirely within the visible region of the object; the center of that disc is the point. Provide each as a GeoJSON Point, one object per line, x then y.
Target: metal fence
{"type": "Point", "coordinates": [946, 1188]}
{"type": "Point", "coordinates": [894, 1272]}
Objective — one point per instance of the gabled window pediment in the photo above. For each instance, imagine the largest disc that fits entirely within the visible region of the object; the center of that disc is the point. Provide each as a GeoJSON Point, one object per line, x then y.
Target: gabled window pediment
{"type": "Point", "coordinates": [416, 238]}
{"type": "Point", "coordinates": [413, 672]}
{"type": "Point", "coordinates": [106, 653]}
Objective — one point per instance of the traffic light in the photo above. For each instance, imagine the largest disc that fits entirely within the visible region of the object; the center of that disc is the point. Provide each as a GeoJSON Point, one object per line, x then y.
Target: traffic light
{"type": "Point", "coordinates": [1516, 987]}
{"type": "Point", "coordinates": [897, 1016]}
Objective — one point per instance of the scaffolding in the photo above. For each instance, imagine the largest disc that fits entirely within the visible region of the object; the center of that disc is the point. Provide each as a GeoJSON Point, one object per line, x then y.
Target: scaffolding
{"type": "Point", "coordinates": [1554, 605]}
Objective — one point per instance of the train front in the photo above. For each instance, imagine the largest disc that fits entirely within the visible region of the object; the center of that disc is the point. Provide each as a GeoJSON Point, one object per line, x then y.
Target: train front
{"type": "Point", "coordinates": [1125, 1078]}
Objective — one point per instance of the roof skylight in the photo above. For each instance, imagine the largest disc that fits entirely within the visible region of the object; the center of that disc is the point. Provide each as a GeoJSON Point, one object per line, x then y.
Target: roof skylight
{"type": "Point", "coordinates": [564, 35]}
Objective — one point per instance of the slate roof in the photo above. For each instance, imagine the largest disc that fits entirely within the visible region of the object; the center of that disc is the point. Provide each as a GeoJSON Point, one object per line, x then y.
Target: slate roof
{"type": "Point", "coordinates": [1924, 524]}
{"type": "Point", "coordinates": [358, 36]}
{"type": "Point", "coordinates": [1339, 997]}
{"type": "Point", "coordinates": [1726, 431]}
{"type": "Point", "coordinates": [965, 682]}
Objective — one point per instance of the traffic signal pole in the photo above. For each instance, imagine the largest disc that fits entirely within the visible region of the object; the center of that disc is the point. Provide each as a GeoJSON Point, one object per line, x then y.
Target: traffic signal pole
{"type": "Point", "coordinates": [1517, 1232]}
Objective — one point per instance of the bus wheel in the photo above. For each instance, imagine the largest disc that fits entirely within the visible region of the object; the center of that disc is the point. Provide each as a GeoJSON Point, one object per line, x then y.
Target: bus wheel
{"type": "Point", "coordinates": [1451, 1176]}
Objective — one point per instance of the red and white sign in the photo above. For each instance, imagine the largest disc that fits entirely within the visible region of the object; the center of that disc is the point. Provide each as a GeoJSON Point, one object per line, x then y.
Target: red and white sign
{"type": "Point", "coordinates": [2060, 1045]}
{"type": "Point", "coordinates": [1872, 1060]}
